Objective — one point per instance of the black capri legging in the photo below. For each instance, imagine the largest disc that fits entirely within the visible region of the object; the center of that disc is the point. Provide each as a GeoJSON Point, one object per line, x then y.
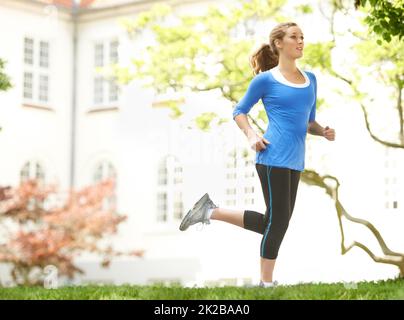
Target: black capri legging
{"type": "Point", "coordinates": [279, 186]}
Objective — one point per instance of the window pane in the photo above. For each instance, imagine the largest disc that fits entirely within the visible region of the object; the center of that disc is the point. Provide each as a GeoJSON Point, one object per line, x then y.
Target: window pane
{"type": "Point", "coordinates": [32, 170]}
{"type": "Point", "coordinates": [98, 90]}
{"type": "Point", "coordinates": [39, 172]}
{"type": "Point", "coordinates": [249, 174]}
{"type": "Point", "coordinates": [113, 51]}
{"type": "Point", "coordinates": [97, 177]}
{"type": "Point", "coordinates": [103, 171]}
{"type": "Point", "coordinates": [28, 79]}
{"type": "Point", "coordinates": [43, 88]}
{"type": "Point", "coordinates": [177, 180]}
{"type": "Point", "coordinates": [178, 206]}
{"type": "Point", "coordinates": [177, 174]}
{"type": "Point", "coordinates": [162, 174]}
{"type": "Point", "coordinates": [99, 55]}
{"type": "Point", "coordinates": [24, 173]}
{"type": "Point", "coordinates": [231, 191]}
{"type": "Point", "coordinates": [231, 175]}
{"type": "Point", "coordinates": [113, 91]}
{"type": "Point", "coordinates": [111, 172]}
{"type": "Point", "coordinates": [44, 54]}
{"type": "Point", "coordinates": [162, 207]}
{"type": "Point", "coordinates": [28, 51]}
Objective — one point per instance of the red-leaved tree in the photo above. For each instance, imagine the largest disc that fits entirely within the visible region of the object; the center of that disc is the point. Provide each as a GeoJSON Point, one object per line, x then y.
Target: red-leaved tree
{"type": "Point", "coordinates": [42, 226]}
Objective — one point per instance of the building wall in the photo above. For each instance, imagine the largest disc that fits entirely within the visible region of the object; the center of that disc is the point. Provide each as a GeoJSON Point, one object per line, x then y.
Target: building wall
{"type": "Point", "coordinates": [31, 133]}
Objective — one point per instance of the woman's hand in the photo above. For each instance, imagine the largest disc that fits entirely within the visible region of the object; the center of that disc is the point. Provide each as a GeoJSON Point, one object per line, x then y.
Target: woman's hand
{"type": "Point", "coordinates": [257, 143]}
{"type": "Point", "coordinates": [329, 133]}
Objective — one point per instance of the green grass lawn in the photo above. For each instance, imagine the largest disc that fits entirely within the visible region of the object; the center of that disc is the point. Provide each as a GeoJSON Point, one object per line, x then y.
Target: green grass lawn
{"type": "Point", "coordinates": [389, 289]}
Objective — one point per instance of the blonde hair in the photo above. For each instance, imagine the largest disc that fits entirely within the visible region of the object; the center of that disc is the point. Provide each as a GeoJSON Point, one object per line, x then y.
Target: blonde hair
{"type": "Point", "coordinates": [267, 56]}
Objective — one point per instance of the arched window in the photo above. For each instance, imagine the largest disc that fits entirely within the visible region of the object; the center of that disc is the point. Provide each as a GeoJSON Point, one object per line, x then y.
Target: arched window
{"type": "Point", "coordinates": [169, 189]}
{"type": "Point", "coordinates": [105, 170]}
{"type": "Point", "coordinates": [32, 170]}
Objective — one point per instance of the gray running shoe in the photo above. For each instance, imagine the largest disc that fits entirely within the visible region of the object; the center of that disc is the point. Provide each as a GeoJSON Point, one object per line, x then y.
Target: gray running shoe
{"type": "Point", "coordinates": [198, 213]}
{"type": "Point", "coordinates": [272, 285]}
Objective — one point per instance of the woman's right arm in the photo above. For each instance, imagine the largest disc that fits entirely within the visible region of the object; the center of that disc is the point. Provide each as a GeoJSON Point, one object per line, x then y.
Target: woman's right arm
{"type": "Point", "coordinates": [256, 142]}
{"type": "Point", "coordinates": [254, 92]}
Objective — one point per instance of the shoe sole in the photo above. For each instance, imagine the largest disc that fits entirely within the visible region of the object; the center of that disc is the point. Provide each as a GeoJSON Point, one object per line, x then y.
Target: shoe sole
{"type": "Point", "coordinates": [196, 206]}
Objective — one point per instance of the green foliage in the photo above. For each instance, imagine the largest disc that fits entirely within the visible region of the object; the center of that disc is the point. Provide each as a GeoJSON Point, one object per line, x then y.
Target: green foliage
{"type": "Point", "coordinates": [318, 55]}
{"type": "Point", "coordinates": [262, 115]}
{"type": "Point", "coordinates": [203, 120]}
{"type": "Point", "coordinates": [174, 106]}
{"type": "Point", "coordinates": [386, 18]}
{"type": "Point", "coordinates": [304, 8]}
{"type": "Point", "coordinates": [4, 79]}
{"type": "Point", "coordinates": [387, 58]}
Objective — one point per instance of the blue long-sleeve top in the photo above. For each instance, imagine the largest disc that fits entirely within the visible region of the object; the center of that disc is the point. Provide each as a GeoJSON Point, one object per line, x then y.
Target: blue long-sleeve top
{"type": "Point", "coordinates": [289, 107]}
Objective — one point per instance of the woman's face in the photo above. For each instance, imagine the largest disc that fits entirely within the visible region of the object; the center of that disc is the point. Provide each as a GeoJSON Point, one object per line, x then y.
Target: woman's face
{"type": "Point", "coordinates": [292, 43]}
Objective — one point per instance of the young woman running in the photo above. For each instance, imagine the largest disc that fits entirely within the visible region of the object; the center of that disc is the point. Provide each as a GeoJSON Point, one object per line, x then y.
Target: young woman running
{"type": "Point", "coordinates": [289, 96]}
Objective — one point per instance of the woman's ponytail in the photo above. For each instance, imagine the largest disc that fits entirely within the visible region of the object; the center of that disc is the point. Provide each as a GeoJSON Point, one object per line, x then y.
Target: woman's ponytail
{"type": "Point", "coordinates": [263, 59]}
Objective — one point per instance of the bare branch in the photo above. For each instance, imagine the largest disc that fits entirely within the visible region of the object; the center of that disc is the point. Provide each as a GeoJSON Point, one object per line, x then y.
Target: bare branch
{"type": "Point", "coordinates": [400, 108]}
{"type": "Point", "coordinates": [374, 137]}
{"type": "Point", "coordinates": [395, 258]}
{"type": "Point", "coordinates": [389, 260]}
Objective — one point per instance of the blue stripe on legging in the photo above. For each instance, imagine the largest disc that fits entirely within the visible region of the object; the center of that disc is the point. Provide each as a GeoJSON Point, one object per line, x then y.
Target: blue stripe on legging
{"type": "Point", "coordinates": [270, 212]}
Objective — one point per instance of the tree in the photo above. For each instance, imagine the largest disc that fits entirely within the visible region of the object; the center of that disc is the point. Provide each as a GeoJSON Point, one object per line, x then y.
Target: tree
{"type": "Point", "coordinates": [386, 17]}
{"type": "Point", "coordinates": [4, 79]}
{"type": "Point", "coordinates": [44, 227]}
{"type": "Point", "coordinates": [191, 53]}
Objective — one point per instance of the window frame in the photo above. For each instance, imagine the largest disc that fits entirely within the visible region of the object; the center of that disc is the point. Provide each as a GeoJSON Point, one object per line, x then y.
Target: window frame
{"type": "Point", "coordinates": [38, 73]}
{"type": "Point", "coordinates": [104, 84]}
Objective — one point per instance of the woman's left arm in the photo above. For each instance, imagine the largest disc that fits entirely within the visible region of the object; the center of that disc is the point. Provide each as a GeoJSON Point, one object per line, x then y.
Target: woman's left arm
{"type": "Point", "coordinates": [315, 129]}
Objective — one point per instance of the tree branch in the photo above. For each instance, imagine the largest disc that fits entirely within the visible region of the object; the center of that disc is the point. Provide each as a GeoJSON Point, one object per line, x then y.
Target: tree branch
{"type": "Point", "coordinates": [392, 257]}
{"type": "Point", "coordinates": [374, 137]}
{"type": "Point", "coordinates": [400, 108]}
{"type": "Point", "coordinates": [389, 260]}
